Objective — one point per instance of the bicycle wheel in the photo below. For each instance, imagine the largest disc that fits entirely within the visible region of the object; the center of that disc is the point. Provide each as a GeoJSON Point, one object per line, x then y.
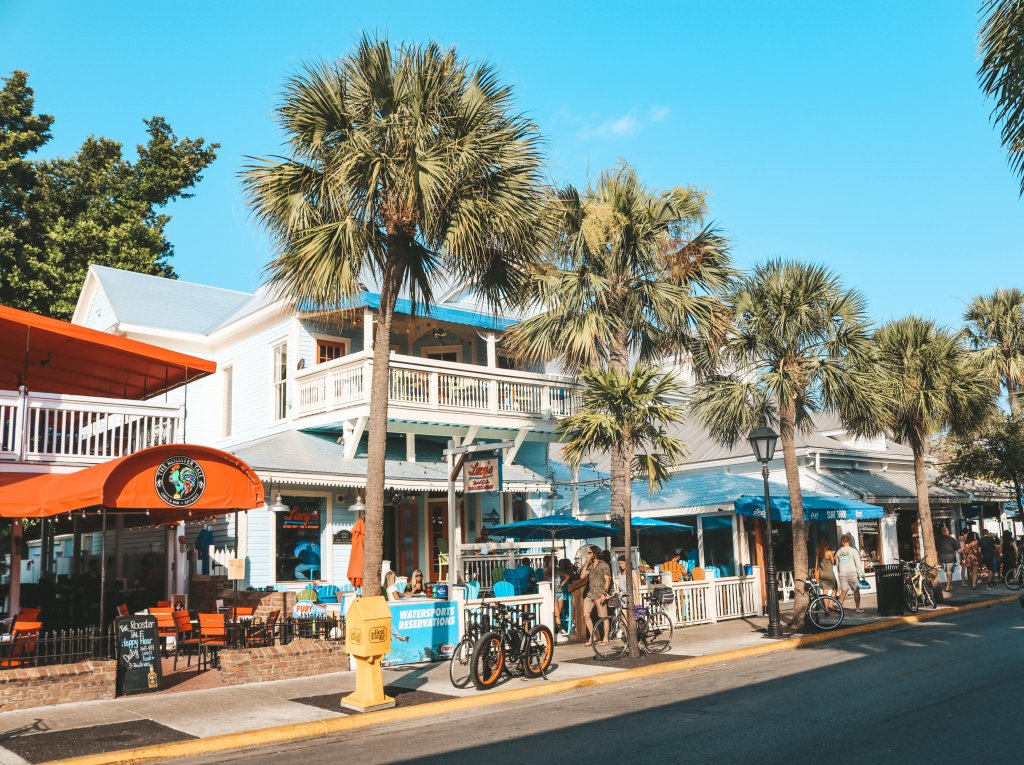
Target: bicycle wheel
{"type": "Point", "coordinates": [461, 662]}
{"type": "Point", "coordinates": [928, 594]}
{"type": "Point", "coordinates": [825, 612]}
{"type": "Point", "coordinates": [658, 637]}
{"type": "Point", "coordinates": [910, 598]}
{"type": "Point", "coordinates": [539, 650]}
{"type": "Point", "coordinates": [1014, 578]}
{"type": "Point", "coordinates": [613, 631]}
{"type": "Point", "coordinates": [487, 661]}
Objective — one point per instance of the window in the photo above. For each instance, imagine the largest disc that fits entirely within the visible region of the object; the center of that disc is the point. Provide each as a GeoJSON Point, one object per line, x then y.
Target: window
{"type": "Point", "coordinates": [298, 539]}
{"type": "Point", "coordinates": [280, 390]}
{"type": "Point", "coordinates": [870, 549]}
{"type": "Point", "coordinates": [449, 353]}
{"type": "Point", "coordinates": [329, 350]}
{"type": "Point", "coordinates": [505, 361]}
{"type": "Point", "coordinates": [229, 381]}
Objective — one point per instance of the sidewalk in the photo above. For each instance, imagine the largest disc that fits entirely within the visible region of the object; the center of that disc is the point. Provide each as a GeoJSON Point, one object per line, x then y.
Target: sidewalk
{"type": "Point", "coordinates": [69, 730]}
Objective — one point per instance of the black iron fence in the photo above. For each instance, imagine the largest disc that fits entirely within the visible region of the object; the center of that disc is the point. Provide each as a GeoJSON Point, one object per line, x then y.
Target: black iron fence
{"type": "Point", "coordinates": [71, 646]}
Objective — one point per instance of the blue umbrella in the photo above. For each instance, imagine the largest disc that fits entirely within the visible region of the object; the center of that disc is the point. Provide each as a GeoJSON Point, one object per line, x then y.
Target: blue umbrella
{"type": "Point", "coordinates": [553, 527]}
{"type": "Point", "coordinates": [656, 526]}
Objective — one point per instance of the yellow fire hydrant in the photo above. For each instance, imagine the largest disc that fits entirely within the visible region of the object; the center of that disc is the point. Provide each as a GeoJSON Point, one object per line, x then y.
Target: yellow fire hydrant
{"type": "Point", "coordinates": [368, 639]}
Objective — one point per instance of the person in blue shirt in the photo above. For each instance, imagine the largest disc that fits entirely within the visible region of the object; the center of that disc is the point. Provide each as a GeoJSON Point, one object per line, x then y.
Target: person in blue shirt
{"type": "Point", "coordinates": [308, 553]}
{"type": "Point", "coordinates": [522, 577]}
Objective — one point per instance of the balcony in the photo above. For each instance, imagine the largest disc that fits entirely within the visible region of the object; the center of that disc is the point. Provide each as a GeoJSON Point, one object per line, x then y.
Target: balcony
{"type": "Point", "coordinates": [51, 428]}
{"type": "Point", "coordinates": [441, 392]}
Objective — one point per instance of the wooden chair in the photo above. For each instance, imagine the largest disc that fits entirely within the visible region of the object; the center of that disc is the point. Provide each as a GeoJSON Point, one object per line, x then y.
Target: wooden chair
{"type": "Point", "coordinates": [185, 641]}
{"type": "Point", "coordinates": [697, 574]}
{"type": "Point", "coordinates": [263, 635]}
{"type": "Point", "coordinates": [442, 557]}
{"type": "Point", "coordinates": [164, 624]}
{"type": "Point", "coordinates": [23, 645]}
{"type": "Point", "coordinates": [504, 590]}
{"type": "Point", "coordinates": [213, 635]}
{"type": "Point", "coordinates": [309, 594]}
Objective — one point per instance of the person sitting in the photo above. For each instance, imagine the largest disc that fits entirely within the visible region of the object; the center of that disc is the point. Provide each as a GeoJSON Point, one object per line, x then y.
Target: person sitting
{"type": "Point", "coordinates": [522, 578]}
{"type": "Point", "coordinates": [308, 553]}
{"type": "Point", "coordinates": [415, 586]}
{"type": "Point", "coordinates": [675, 567]}
{"type": "Point", "coordinates": [390, 588]}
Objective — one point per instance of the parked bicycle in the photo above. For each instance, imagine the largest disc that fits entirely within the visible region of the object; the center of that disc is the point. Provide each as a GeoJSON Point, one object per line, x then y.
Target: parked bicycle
{"type": "Point", "coordinates": [917, 585]}
{"type": "Point", "coordinates": [1014, 577]}
{"type": "Point", "coordinates": [653, 625]}
{"type": "Point", "coordinates": [511, 646]}
{"type": "Point", "coordinates": [478, 623]}
{"type": "Point", "coordinates": [824, 611]}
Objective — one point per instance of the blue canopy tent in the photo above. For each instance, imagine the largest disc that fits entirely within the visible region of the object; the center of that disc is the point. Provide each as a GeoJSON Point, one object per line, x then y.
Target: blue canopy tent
{"type": "Point", "coordinates": [643, 525]}
{"type": "Point", "coordinates": [815, 508]}
{"type": "Point", "coordinates": [553, 527]}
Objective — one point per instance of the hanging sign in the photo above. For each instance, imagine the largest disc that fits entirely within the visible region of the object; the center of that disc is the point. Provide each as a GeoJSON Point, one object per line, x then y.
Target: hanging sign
{"type": "Point", "coordinates": [180, 481]}
{"type": "Point", "coordinates": [481, 475]}
{"type": "Point", "coordinates": [138, 654]}
{"type": "Point", "coordinates": [236, 568]}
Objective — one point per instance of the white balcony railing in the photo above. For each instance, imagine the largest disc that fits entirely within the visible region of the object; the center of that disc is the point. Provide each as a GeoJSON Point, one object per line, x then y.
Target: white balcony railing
{"type": "Point", "coordinates": [425, 384]}
{"type": "Point", "coordinates": [42, 427]}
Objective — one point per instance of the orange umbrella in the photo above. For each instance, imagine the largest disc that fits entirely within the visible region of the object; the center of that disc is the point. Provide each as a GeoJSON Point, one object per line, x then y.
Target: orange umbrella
{"type": "Point", "coordinates": [355, 561]}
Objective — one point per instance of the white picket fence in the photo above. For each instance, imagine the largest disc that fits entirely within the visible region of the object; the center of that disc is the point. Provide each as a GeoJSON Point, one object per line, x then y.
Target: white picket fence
{"type": "Point", "coordinates": [716, 599]}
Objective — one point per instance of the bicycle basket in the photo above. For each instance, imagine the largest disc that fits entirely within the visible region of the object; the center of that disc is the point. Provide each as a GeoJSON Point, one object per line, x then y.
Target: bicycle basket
{"type": "Point", "coordinates": [663, 595]}
{"type": "Point", "coordinates": [614, 602]}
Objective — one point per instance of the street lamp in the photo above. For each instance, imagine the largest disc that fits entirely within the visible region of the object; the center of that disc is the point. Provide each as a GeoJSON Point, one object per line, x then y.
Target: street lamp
{"type": "Point", "coordinates": [762, 441]}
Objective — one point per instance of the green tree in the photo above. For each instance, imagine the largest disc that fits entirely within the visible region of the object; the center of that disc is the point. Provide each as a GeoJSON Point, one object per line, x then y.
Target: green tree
{"type": "Point", "coordinates": [1001, 43]}
{"type": "Point", "coordinates": [407, 165]}
{"type": "Point", "coordinates": [620, 410]}
{"type": "Point", "coordinates": [931, 383]}
{"type": "Point", "coordinates": [994, 452]}
{"type": "Point", "coordinates": [632, 277]}
{"type": "Point", "coordinates": [994, 324]}
{"type": "Point", "coordinates": [792, 352]}
{"type": "Point", "coordinates": [59, 215]}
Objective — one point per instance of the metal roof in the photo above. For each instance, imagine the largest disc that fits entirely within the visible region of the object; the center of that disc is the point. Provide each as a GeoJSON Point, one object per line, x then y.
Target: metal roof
{"type": "Point", "coordinates": [891, 485]}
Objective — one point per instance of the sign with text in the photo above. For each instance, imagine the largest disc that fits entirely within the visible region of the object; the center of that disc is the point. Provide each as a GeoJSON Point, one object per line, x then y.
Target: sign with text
{"type": "Point", "coordinates": [422, 630]}
{"type": "Point", "coordinates": [236, 568]}
{"type": "Point", "coordinates": [481, 475]}
{"type": "Point", "coordinates": [302, 517]}
{"type": "Point", "coordinates": [138, 654]}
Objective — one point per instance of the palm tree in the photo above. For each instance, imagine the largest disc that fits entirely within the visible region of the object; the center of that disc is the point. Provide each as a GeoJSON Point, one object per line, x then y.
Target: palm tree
{"type": "Point", "coordinates": [931, 383]}
{"type": "Point", "coordinates": [409, 167]}
{"type": "Point", "coordinates": [792, 352]}
{"type": "Point", "coordinates": [995, 327]}
{"type": "Point", "coordinates": [1002, 73]}
{"type": "Point", "coordinates": [630, 277]}
{"type": "Point", "coordinates": [620, 410]}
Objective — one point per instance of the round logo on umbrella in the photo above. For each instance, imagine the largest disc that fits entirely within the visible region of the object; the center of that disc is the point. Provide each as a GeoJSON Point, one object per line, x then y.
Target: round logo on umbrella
{"type": "Point", "coordinates": [180, 481]}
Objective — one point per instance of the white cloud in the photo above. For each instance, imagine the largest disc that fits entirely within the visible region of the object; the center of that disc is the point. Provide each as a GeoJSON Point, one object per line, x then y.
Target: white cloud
{"type": "Point", "coordinates": [659, 113]}
{"type": "Point", "coordinates": [623, 126]}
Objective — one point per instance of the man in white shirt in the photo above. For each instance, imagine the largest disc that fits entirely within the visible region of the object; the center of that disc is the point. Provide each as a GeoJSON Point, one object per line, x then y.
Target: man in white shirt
{"type": "Point", "coordinates": [850, 570]}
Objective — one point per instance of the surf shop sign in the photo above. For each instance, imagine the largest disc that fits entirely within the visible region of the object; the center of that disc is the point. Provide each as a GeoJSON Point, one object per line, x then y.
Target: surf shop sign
{"type": "Point", "coordinates": [481, 475]}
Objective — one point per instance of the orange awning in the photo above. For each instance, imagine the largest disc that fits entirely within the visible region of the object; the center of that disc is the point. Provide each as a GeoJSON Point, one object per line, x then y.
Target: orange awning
{"type": "Point", "coordinates": [52, 356]}
{"type": "Point", "coordinates": [173, 482]}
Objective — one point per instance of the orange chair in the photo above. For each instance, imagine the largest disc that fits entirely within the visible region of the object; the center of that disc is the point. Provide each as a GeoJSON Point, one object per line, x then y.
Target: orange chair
{"type": "Point", "coordinates": [185, 641]}
{"type": "Point", "coordinates": [23, 645]}
{"type": "Point", "coordinates": [242, 611]}
{"type": "Point", "coordinates": [675, 569]}
{"type": "Point", "coordinates": [163, 604]}
{"type": "Point", "coordinates": [27, 615]}
{"type": "Point", "coordinates": [697, 574]}
{"type": "Point", "coordinates": [213, 635]}
{"type": "Point", "coordinates": [164, 624]}
{"type": "Point", "coordinates": [262, 635]}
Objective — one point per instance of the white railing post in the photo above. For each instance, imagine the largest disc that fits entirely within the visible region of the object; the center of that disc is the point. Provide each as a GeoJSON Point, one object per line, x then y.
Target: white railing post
{"type": "Point", "coordinates": [711, 597]}
{"type": "Point", "coordinates": [433, 396]}
{"type": "Point", "coordinates": [547, 606]}
{"type": "Point", "coordinates": [492, 396]}
{"type": "Point", "coordinates": [21, 428]}
{"type": "Point", "coordinates": [758, 594]}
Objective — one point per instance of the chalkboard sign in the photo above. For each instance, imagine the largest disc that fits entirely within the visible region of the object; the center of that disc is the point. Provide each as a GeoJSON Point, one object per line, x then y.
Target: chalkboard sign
{"type": "Point", "coordinates": [138, 654]}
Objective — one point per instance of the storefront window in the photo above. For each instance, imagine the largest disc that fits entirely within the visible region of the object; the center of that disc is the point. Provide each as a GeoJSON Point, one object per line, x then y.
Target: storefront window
{"type": "Point", "coordinates": [870, 543]}
{"type": "Point", "coordinates": [298, 539]}
{"type": "Point", "coordinates": [718, 544]}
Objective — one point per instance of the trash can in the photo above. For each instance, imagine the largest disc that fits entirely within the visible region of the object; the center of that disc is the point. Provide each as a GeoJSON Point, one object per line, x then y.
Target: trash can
{"type": "Point", "coordinates": [889, 581]}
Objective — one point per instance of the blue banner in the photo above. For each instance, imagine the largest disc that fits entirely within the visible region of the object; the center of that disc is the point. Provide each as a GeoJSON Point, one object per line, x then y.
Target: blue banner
{"type": "Point", "coordinates": [422, 630]}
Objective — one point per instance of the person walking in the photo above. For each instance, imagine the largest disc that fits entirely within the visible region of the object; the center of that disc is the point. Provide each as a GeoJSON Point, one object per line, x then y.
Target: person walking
{"type": "Point", "coordinates": [1009, 557]}
{"type": "Point", "coordinates": [825, 568]}
{"type": "Point", "coordinates": [947, 548]}
{"type": "Point", "coordinates": [851, 571]}
{"type": "Point", "coordinates": [599, 580]}
{"type": "Point", "coordinates": [989, 556]}
{"type": "Point", "coordinates": [970, 557]}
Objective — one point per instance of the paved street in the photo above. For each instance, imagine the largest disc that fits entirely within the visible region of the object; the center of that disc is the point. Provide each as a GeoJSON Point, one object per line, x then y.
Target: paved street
{"type": "Point", "coordinates": [939, 691]}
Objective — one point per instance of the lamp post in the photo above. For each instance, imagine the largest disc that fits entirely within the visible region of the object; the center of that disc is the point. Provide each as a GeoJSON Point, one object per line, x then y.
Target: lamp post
{"type": "Point", "coordinates": [762, 441]}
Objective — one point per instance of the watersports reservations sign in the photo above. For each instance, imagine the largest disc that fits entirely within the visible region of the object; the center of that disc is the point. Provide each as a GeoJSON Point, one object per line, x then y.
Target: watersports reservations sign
{"type": "Point", "coordinates": [481, 475]}
{"type": "Point", "coordinates": [422, 630]}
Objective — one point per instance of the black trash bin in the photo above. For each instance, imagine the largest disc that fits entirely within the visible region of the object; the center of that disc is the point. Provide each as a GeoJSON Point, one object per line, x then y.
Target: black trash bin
{"type": "Point", "coordinates": [889, 581]}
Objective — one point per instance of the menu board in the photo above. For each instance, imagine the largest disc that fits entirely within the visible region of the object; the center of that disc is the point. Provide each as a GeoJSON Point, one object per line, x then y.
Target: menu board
{"type": "Point", "coordinates": [138, 654]}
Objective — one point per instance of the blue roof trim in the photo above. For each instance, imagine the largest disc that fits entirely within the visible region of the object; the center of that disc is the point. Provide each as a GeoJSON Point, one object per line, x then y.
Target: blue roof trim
{"type": "Point", "coordinates": [439, 313]}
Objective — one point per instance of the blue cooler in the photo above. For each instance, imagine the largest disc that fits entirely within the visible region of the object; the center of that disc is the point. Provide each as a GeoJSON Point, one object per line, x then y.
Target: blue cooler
{"type": "Point", "coordinates": [441, 591]}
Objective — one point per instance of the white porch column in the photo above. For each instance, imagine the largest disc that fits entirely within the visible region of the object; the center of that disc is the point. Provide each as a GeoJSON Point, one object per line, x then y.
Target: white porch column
{"type": "Point", "coordinates": [492, 350]}
{"type": "Point", "coordinates": [410, 447]}
{"type": "Point", "coordinates": [14, 600]}
{"type": "Point", "coordinates": [368, 330]}
{"type": "Point", "coordinates": [547, 607]}
{"type": "Point", "coordinates": [711, 597]}
{"type": "Point", "coordinates": [758, 596]}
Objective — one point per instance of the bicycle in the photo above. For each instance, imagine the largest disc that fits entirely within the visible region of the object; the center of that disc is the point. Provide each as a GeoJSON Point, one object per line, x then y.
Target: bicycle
{"type": "Point", "coordinates": [917, 585]}
{"type": "Point", "coordinates": [478, 622]}
{"type": "Point", "coordinates": [653, 625]}
{"type": "Point", "coordinates": [824, 611]}
{"type": "Point", "coordinates": [1014, 577]}
{"type": "Point", "coordinates": [511, 647]}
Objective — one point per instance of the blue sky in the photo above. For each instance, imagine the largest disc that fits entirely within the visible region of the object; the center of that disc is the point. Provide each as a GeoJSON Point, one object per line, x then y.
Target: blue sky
{"type": "Point", "coordinates": [852, 134]}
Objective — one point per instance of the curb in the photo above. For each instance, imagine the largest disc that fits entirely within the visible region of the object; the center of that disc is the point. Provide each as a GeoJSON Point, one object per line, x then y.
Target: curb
{"type": "Point", "coordinates": [333, 726]}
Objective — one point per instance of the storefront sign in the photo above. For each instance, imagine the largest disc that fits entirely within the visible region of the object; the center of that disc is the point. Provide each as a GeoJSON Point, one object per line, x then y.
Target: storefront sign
{"type": "Point", "coordinates": [236, 568]}
{"type": "Point", "coordinates": [138, 654]}
{"type": "Point", "coordinates": [180, 481]}
{"type": "Point", "coordinates": [297, 517]}
{"type": "Point", "coordinates": [868, 527]}
{"type": "Point", "coordinates": [307, 609]}
{"type": "Point", "coordinates": [481, 475]}
{"type": "Point", "coordinates": [426, 630]}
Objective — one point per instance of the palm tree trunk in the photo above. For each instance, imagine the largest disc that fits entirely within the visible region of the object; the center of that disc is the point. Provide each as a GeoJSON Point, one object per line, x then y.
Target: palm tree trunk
{"type": "Point", "coordinates": [924, 509]}
{"type": "Point", "coordinates": [787, 431]}
{"type": "Point", "coordinates": [373, 552]}
{"type": "Point", "coordinates": [1011, 397]}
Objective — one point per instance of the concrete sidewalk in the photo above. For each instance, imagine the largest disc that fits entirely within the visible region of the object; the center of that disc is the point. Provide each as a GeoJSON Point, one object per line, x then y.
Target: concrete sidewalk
{"type": "Point", "coordinates": [69, 730]}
